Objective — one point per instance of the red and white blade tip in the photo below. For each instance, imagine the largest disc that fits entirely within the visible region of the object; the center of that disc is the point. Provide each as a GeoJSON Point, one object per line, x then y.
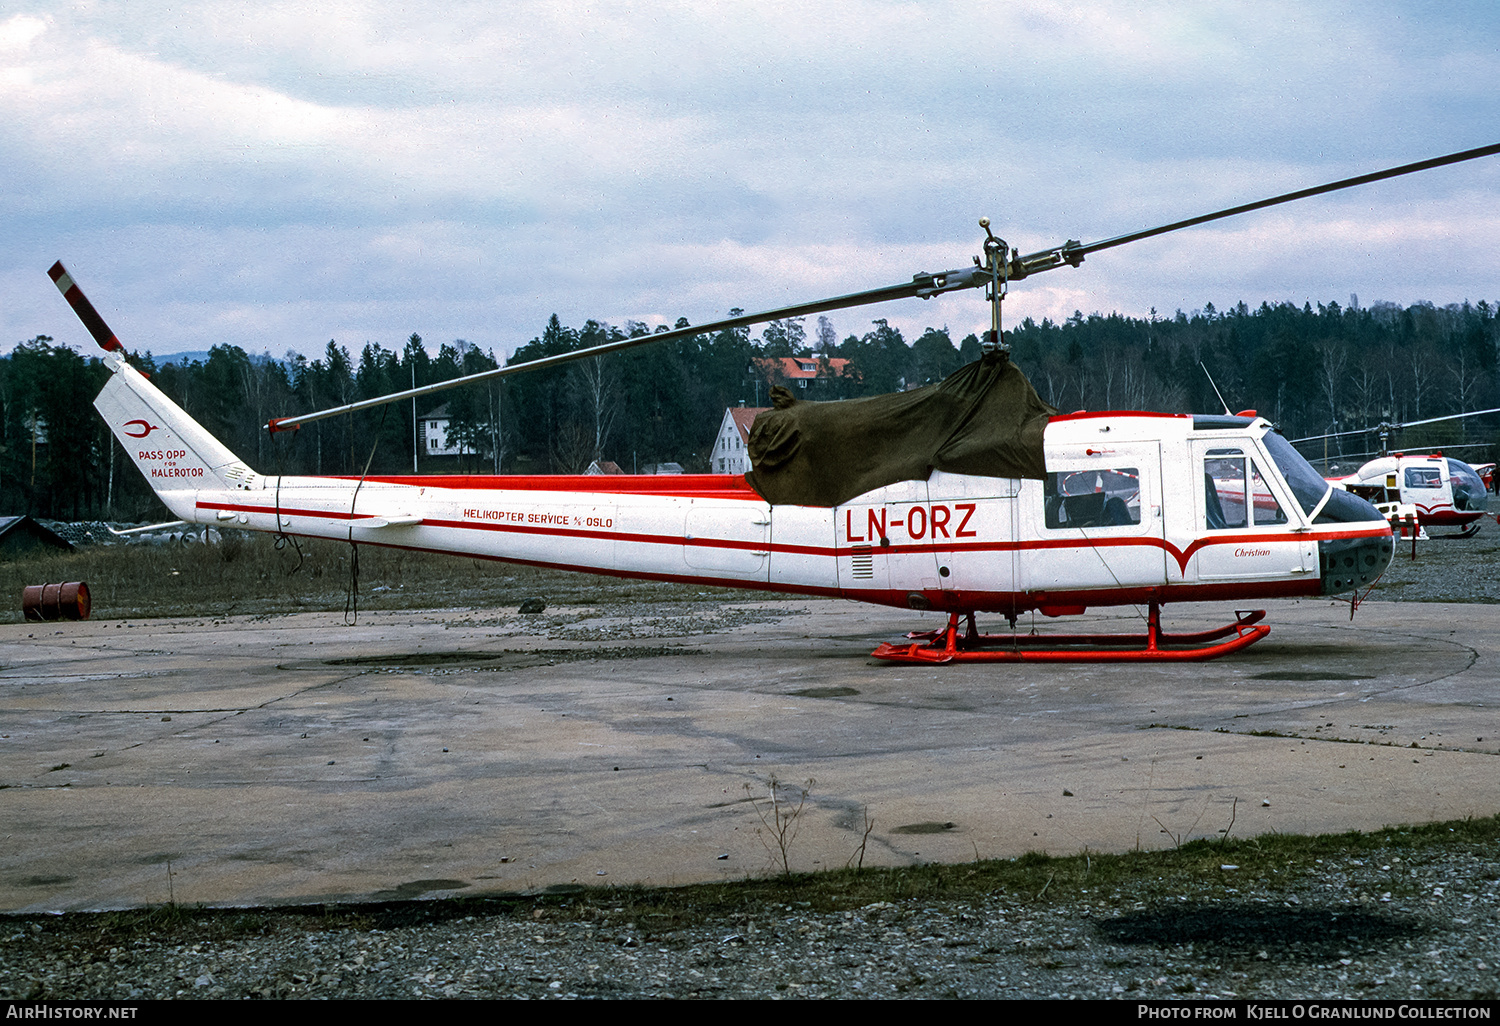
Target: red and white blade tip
{"type": "Point", "coordinates": [84, 309]}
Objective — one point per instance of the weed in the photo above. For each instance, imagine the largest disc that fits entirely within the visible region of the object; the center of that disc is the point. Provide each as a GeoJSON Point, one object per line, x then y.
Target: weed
{"type": "Point", "coordinates": [1233, 812]}
{"type": "Point", "coordinates": [1271, 866]}
{"type": "Point", "coordinates": [1177, 839]}
{"type": "Point", "coordinates": [779, 818]}
{"type": "Point", "coordinates": [858, 858]}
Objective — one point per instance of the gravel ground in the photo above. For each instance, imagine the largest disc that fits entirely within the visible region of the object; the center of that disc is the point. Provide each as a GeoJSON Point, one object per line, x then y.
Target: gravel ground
{"type": "Point", "coordinates": [1445, 570]}
{"type": "Point", "coordinates": [1400, 921]}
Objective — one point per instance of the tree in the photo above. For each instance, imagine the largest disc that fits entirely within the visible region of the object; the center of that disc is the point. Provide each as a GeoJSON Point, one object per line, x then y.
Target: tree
{"type": "Point", "coordinates": [594, 384]}
{"type": "Point", "coordinates": [933, 357]}
{"type": "Point", "coordinates": [784, 338]}
{"type": "Point", "coordinates": [828, 340]}
{"type": "Point", "coordinates": [55, 446]}
{"type": "Point", "coordinates": [878, 359]}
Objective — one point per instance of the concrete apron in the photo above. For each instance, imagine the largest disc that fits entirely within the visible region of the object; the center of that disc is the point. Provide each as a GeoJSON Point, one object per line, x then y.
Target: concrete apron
{"type": "Point", "coordinates": [295, 759]}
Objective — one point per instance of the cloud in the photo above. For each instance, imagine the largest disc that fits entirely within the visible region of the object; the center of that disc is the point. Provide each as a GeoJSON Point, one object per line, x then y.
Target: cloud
{"type": "Point", "coordinates": [275, 175]}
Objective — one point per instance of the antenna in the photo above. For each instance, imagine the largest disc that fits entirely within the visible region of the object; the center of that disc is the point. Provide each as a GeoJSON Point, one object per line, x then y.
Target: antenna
{"type": "Point", "coordinates": [1211, 384]}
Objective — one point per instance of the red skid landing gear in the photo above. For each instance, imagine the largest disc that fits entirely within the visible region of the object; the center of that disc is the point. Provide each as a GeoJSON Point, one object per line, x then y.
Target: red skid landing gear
{"type": "Point", "coordinates": [949, 646]}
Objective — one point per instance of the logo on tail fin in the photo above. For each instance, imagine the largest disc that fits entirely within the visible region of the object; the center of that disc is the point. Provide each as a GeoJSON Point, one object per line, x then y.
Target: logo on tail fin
{"type": "Point", "coordinates": [146, 428]}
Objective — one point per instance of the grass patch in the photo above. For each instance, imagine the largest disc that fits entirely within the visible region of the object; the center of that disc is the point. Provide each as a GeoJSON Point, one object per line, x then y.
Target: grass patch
{"type": "Point", "coordinates": [247, 574]}
{"type": "Point", "coordinates": [1270, 865]}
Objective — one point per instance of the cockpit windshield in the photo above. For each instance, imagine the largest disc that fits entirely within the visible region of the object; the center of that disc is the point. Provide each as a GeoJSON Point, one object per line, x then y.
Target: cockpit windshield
{"type": "Point", "coordinates": [1306, 484]}
{"type": "Point", "coordinates": [1469, 492]}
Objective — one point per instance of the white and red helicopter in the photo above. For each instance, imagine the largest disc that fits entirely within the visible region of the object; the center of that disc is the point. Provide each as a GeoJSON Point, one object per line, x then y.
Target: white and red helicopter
{"type": "Point", "coordinates": [1008, 509]}
{"type": "Point", "coordinates": [1442, 491]}
{"type": "Point", "coordinates": [1437, 490]}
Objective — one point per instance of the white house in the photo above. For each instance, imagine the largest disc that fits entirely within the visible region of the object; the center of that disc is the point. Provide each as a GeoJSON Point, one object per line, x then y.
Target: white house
{"type": "Point", "coordinates": [434, 433]}
{"type": "Point", "coordinates": [729, 453]}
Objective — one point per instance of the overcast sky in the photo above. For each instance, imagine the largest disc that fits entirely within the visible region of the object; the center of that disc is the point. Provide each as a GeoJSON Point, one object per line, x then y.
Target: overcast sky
{"type": "Point", "coordinates": [278, 175]}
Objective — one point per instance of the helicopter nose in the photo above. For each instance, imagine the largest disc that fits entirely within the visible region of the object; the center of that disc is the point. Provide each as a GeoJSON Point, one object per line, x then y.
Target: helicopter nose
{"type": "Point", "coordinates": [1349, 564]}
{"type": "Point", "coordinates": [1347, 508]}
{"type": "Point", "coordinates": [1469, 492]}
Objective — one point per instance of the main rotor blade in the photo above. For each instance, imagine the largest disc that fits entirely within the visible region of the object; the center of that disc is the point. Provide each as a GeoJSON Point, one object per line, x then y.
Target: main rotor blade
{"type": "Point", "coordinates": [1317, 190]}
{"type": "Point", "coordinates": [922, 285]}
{"type": "Point", "coordinates": [1396, 427]}
{"type": "Point", "coordinates": [1451, 416]}
{"type": "Point", "coordinates": [1335, 434]}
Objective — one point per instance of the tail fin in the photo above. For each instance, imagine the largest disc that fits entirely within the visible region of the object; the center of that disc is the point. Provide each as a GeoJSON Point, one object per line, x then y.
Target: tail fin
{"type": "Point", "coordinates": [175, 452]}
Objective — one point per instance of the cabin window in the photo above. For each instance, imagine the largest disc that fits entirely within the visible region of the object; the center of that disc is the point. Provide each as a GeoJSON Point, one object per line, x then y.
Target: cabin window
{"type": "Point", "coordinates": [1424, 477]}
{"type": "Point", "coordinates": [1224, 490]}
{"type": "Point", "coordinates": [1109, 497]}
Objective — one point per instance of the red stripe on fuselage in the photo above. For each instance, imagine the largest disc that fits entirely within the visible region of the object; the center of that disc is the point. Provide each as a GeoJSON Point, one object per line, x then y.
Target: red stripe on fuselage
{"type": "Point", "coordinates": [1182, 556]}
{"type": "Point", "coordinates": [678, 486]}
{"type": "Point", "coordinates": [1096, 414]}
{"type": "Point", "coordinates": [963, 600]}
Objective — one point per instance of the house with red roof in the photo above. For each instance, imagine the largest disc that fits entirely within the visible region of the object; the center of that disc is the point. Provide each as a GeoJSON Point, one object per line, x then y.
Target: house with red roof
{"type": "Point", "coordinates": [798, 372]}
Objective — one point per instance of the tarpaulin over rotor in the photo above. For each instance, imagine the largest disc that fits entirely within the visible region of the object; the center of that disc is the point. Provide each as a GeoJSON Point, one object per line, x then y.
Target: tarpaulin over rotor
{"type": "Point", "coordinates": [985, 419]}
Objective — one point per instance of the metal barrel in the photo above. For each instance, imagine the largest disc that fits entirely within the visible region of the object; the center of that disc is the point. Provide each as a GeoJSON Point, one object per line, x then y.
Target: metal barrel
{"type": "Point", "coordinates": [68, 601]}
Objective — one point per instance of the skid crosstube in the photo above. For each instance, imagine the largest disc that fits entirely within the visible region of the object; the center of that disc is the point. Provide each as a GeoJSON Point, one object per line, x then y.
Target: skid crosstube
{"type": "Point", "coordinates": [950, 646]}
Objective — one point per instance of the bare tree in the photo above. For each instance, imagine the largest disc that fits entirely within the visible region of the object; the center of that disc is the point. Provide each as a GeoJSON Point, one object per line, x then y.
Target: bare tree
{"type": "Point", "coordinates": [1332, 358]}
{"type": "Point", "coordinates": [595, 386]}
{"type": "Point", "coordinates": [1366, 381]}
{"type": "Point", "coordinates": [1466, 381]}
{"type": "Point", "coordinates": [1423, 368]}
{"type": "Point", "coordinates": [828, 340]}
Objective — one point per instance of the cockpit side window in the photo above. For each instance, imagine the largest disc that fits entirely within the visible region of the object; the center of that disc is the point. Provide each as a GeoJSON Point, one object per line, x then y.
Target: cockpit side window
{"type": "Point", "coordinates": [1224, 502]}
{"type": "Point", "coordinates": [1424, 477]}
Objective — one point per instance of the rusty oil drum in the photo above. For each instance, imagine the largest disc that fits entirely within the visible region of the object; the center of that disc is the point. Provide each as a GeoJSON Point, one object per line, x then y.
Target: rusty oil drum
{"type": "Point", "coordinates": [56, 601]}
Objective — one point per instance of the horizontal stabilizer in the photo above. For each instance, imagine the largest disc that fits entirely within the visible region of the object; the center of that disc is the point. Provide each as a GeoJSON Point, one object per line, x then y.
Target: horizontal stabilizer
{"type": "Point", "coordinates": [391, 521]}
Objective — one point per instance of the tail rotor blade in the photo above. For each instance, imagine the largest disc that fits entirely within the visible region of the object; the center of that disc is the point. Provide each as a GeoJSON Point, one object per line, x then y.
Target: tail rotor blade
{"type": "Point", "coordinates": [84, 309]}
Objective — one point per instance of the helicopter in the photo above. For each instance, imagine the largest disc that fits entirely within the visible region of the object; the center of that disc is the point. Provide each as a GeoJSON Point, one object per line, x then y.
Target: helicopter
{"type": "Point", "coordinates": [1438, 490]}
{"type": "Point", "coordinates": [1443, 491]}
{"type": "Point", "coordinates": [966, 496]}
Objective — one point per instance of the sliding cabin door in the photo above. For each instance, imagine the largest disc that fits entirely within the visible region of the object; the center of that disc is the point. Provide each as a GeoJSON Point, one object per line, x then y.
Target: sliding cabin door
{"type": "Point", "coordinates": [1096, 524]}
